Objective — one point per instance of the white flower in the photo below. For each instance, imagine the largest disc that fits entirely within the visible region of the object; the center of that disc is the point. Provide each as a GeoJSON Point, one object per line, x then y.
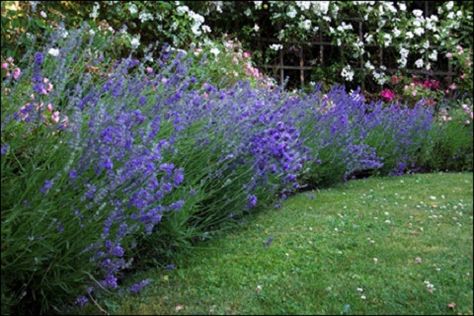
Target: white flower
{"type": "Point", "coordinates": [396, 32]}
{"type": "Point", "coordinates": [449, 5]}
{"type": "Point", "coordinates": [347, 73]}
{"type": "Point", "coordinates": [426, 44]}
{"type": "Point", "coordinates": [409, 35]}
{"type": "Point", "coordinates": [379, 77]}
{"type": "Point", "coordinates": [258, 4]}
{"type": "Point", "coordinates": [388, 39]}
{"type": "Point", "coordinates": [303, 5]}
{"type": "Point", "coordinates": [135, 42]}
{"type": "Point", "coordinates": [319, 7]}
{"type": "Point", "coordinates": [256, 28]}
{"type": "Point", "coordinates": [145, 16]}
{"type": "Point", "coordinates": [291, 13]}
{"type": "Point", "coordinates": [404, 52]}
{"type": "Point", "coordinates": [306, 25]}
{"type": "Point", "coordinates": [215, 51]}
{"type": "Point", "coordinates": [451, 15]}
{"type": "Point", "coordinates": [417, 13]}
{"type": "Point", "coordinates": [206, 29]}
{"type": "Point", "coordinates": [276, 47]}
{"type": "Point", "coordinates": [419, 31]}
{"type": "Point", "coordinates": [419, 63]}
{"type": "Point", "coordinates": [95, 10]}
{"type": "Point", "coordinates": [182, 10]}
{"type": "Point", "coordinates": [402, 6]}
{"type": "Point", "coordinates": [53, 52]}
{"type": "Point", "coordinates": [92, 32]}
{"type": "Point", "coordinates": [43, 14]}
{"type": "Point", "coordinates": [368, 65]}
{"type": "Point", "coordinates": [133, 8]}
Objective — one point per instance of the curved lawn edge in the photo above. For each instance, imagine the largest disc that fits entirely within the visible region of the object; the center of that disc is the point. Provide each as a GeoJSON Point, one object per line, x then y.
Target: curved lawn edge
{"type": "Point", "coordinates": [390, 245]}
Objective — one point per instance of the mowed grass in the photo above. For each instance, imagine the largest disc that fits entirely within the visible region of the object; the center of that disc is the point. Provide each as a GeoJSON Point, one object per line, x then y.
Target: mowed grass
{"type": "Point", "coordinates": [398, 245]}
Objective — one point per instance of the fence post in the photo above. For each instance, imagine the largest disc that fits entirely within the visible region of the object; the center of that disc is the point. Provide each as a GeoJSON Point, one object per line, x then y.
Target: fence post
{"type": "Point", "coordinates": [301, 66]}
{"type": "Point", "coordinates": [282, 71]}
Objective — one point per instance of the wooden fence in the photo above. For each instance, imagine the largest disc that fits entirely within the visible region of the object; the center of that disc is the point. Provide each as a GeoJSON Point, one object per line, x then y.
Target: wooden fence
{"type": "Point", "coordinates": [293, 62]}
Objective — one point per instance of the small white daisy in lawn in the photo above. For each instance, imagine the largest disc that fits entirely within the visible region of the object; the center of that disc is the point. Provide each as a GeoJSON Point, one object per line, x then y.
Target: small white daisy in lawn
{"type": "Point", "coordinates": [360, 290]}
{"type": "Point", "coordinates": [287, 254]}
{"type": "Point", "coordinates": [442, 196]}
{"type": "Point", "coordinates": [418, 260]}
{"type": "Point", "coordinates": [258, 289]}
{"type": "Point", "coordinates": [387, 221]}
{"type": "Point", "coordinates": [429, 286]}
{"type": "Point", "coordinates": [387, 213]}
{"type": "Point", "coordinates": [432, 197]}
{"type": "Point", "coordinates": [363, 297]}
{"type": "Point", "coordinates": [438, 269]}
{"type": "Point", "coordinates": [376, 260]}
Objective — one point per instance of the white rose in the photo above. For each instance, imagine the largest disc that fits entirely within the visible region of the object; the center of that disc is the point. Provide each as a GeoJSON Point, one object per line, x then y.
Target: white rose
{"type": "Point", "coordinates": [419, 63]}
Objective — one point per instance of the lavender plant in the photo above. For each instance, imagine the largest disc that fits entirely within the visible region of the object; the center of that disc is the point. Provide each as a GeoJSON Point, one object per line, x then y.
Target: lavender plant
{"type": "Point", "coordinates": [104, 168]}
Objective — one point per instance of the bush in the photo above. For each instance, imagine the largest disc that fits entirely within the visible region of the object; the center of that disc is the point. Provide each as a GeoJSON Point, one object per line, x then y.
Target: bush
{"type": "Point", "coordinates": [451, 141]}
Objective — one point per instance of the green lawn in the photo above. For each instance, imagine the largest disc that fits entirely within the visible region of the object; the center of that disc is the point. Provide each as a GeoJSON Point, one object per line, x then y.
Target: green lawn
{"type": "Point", "coordinates": [399, 245]}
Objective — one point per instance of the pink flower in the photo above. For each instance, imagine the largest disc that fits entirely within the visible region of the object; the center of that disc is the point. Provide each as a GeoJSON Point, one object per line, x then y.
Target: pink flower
{"type": "Point", "coordinates": [55, 117]}
{"type": "Point", "coordinates": [10, 60]}
{"type": "Point", "coordinates": [16, 73]}
{"type": "Point", "coordinates": [149, 70]}
{"type": "Point", "coordinates": [449, 55]}
{"type": "Point", "coordinates": [387, 95]}
{"type": "Point", "coordinates": [453, 86]}
{"type": "Point", "coordinates": [5, 66]}
{"type": "Point", "coordinates": [246, 54]}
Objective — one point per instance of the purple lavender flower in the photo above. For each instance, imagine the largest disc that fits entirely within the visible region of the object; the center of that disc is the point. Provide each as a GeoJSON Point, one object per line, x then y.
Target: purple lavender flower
{"type": "Point", "coordinates": [110, 281]}
{"type": "Point", "coordinates": [73, 174]}
{"type": "Point", "coordinates": [81, 301]}
{"type": "Point", "coordinates": [251, 201]}
{"type": "Point", "coordinates": [178, 176]}
{"type": "Point", "coordinates": [170, 267]}
{"type": "Point", "coordinates": [39, 58]}
{"type": "Point", "coordinates": [137, 287]}
{"type": "Point", "coordinates": [4, 149]}
{"type": "Point", "coordinates": [117, 251]}
{"type": "Point", "coordinates": [48, 184]}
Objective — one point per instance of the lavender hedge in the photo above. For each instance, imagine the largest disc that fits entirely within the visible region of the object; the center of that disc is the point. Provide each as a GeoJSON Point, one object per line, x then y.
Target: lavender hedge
{"type": "Point", "coordinates": [101, 170]}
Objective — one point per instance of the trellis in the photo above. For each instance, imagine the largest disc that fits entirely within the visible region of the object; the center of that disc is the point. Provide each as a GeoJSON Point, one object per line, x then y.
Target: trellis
{"type": "Point", "coordinates": [279, 66]}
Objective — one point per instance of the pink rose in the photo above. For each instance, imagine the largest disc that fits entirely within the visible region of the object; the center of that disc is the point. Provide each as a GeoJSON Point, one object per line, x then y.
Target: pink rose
{"type": "Point", "coordinates": [387, 95]}
{"type": "Point", "coordinates": [16, 73]}
{"type": "Point", "coordinates": [55, 117]}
